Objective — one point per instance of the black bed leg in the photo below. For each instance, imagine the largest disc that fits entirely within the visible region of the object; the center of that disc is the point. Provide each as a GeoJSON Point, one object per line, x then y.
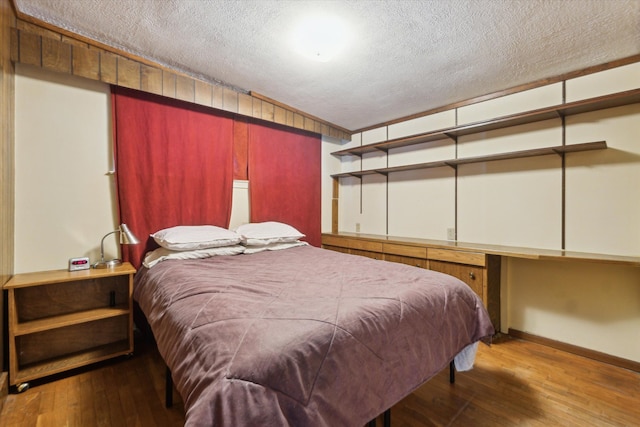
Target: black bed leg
{"type": "Point", "coordinates": [387, 418]}
{"type": "Point", "coordinates": [168, 389]}
{"type": "Point", "coordinates": [452, 372]}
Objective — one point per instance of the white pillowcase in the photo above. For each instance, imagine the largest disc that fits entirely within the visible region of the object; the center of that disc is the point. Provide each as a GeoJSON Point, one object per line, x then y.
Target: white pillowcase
{"type": "Point", "coordinates": [273, 247]}
{"type": "Point", "coordinates": [162, 254]}
{"type": "Point", "coordinates": [266, 233]}
{"type": "Point", "coordinates": [193, 237]}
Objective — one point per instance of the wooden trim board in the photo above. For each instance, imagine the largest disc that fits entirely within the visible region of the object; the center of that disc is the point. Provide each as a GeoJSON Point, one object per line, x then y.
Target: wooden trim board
{"type": "Point", "coordinates": [54, 49]}
{"type": "Point", "coordinates": [580, 351]}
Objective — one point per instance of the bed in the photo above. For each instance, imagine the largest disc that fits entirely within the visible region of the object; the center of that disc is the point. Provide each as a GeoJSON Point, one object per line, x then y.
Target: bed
{"type": "Point", "coordinates": [303, 336]}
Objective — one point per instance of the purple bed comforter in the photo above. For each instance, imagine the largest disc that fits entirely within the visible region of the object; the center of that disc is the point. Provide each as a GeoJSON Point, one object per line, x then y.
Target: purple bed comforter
{"type": "Point", "coordinates": [303, 336]}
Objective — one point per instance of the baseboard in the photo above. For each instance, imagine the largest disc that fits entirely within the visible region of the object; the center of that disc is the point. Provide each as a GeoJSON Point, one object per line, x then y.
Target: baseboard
{"type": "Point", "coordinates": [580, 351]}
{"type": "Point", "coordinates": [4, 388]}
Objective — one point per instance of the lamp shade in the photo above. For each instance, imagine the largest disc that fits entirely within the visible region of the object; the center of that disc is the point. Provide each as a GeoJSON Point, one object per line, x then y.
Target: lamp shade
{"type": "Point", "coordinates": [126, 236]}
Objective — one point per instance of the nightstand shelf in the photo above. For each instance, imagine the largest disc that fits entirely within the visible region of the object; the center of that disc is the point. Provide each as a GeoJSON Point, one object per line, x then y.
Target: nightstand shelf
{"type": "Point", "coordinates": [71, 361]}
{"type": "Point", "coordinates": [54, 322]}
{"type": "Point", "coordinates": [60, 320]}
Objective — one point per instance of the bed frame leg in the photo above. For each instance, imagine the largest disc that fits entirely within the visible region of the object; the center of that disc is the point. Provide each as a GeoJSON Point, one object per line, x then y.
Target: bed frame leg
{"type": "Point", "coordinates": [387, 418]}
{"type": "Point", "coordinates": [168, 389]}
{"type": "Point", "coordinates": [387, 414]}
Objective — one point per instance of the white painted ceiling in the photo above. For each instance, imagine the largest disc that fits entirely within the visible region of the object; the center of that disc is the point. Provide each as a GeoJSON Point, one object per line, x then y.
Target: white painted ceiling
{"type": "Point", "coordinates": [403, 57]}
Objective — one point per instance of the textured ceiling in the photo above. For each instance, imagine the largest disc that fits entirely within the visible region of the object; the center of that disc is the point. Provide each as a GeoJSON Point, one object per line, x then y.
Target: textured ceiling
{"type": "Point", "coordinates": [403, 57]}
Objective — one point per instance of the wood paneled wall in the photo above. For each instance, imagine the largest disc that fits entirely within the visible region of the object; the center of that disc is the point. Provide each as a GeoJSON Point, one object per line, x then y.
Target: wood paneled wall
{"type": "Point", "coordinates": [7, 20]}
{"type": "Point", "coordinates": [42, 47]}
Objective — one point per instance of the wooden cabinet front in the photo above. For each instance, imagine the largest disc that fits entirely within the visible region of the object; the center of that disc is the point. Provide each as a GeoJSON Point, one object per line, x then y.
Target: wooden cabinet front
{"type": "Point", "coordinates": [368, 254]}
{"type": "Point", "coordinates": [469, 274]}
{"type": "Point", "coordinates": [414, 262]}
{"type": "Point", "coordinates": [477, 269]}
{"type": "Point", "coordinates": [483, 280]}
{"type": "Point", "coordinates": [336, 248]}
{"type": "Point", "coordinates": [415, 256]}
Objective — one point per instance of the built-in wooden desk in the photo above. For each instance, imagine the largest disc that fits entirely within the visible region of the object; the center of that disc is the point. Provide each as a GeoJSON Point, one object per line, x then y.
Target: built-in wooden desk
{"type": "Point", "coordinates": [477, 265]}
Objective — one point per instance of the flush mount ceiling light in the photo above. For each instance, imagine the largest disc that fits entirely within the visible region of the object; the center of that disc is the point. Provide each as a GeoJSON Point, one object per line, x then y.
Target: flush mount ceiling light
{"type": "Point", "coordinates": [320, 38]}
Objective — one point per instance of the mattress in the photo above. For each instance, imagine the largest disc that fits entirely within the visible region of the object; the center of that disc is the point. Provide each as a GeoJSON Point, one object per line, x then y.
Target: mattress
{"type": "Point", "coordinates": [303, 336]}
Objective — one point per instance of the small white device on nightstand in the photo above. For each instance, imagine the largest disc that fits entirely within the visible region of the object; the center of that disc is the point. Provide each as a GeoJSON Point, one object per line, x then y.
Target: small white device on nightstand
{"type": "Point", "coordinates": [79, 264]}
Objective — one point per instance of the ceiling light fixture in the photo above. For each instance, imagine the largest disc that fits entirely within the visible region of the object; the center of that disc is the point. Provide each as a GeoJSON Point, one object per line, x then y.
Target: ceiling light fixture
{"type": "Point", "coordinates": [320, 38]}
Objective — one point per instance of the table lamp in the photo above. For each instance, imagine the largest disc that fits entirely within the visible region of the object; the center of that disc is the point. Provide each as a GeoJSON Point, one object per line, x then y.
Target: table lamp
{"type": "Point", "coordinates": [126, 238]}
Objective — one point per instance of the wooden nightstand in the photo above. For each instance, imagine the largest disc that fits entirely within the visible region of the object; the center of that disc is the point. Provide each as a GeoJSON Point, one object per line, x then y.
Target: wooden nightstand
{"type": "Point", "coordinates": [60, 320]}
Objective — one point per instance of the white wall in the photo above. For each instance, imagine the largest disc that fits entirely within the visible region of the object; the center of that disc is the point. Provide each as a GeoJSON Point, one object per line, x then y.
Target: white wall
{"type": "Point", "coordinates": [607, 216]}
{"type": "Point", "coordinates": [595, 306]}
{"type": "Point", "coordinates": [239, 204]}
{"type": "Point", "coordinates": [518, 202]}
{"type": "Point", "coordinates": [330, 165]}
{"type": "Point", "coordinates": [64, 197]}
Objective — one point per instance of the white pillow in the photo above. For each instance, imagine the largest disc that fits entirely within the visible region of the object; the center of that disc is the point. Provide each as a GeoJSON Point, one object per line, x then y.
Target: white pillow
{"type": "Point", "coordinates": [273, 247]}
{"type": "Point", "coordinates": [192, 237]}
{"type": "Point", "coordinates": [266, 233]}
{"type": "Point", "coordinates": [162, 254]}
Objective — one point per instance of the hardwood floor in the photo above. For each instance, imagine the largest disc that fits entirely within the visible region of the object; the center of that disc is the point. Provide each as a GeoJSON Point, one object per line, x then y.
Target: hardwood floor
{"type": "Point", "coordinates": [514, 383]}
{"type": "Point", "coordinates": [121, 392]}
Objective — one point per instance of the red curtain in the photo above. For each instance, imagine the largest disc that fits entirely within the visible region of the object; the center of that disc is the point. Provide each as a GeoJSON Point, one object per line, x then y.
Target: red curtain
{"type": "Point", "coordinates": [240, 143]}
{"type": "Point", "coordinates": [174, 165]}
{"type": "Point", "coordinates": [284, 178]}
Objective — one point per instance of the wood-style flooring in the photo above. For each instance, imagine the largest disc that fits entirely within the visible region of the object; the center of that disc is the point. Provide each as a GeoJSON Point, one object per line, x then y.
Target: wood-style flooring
{"type": "Point", "coordinates": [514, 383]}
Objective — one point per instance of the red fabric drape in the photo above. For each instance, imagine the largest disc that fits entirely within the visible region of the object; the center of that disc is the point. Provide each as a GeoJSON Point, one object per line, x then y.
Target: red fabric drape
{"type": "Point", "coordinates": [240, 129]}
{"type": "Point", "coordinates": [284, 178]}
{"type": "Point", "coordinates": [174, 165]}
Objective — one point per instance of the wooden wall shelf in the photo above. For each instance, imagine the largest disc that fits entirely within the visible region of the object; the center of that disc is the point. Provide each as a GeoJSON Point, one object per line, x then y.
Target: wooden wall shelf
{"type": "Point", "coordinates": [556, 111]}
{"type": "Point", "coordinates": [560, 150]}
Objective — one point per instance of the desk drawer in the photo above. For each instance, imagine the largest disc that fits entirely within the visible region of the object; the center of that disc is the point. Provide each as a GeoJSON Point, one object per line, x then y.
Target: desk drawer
{"type": "Point", "coordinates": [460, 257]}
{"type": "Point", "coordinates": [414, 262]}
{"type": "Point", "coordinates": [469, 274]}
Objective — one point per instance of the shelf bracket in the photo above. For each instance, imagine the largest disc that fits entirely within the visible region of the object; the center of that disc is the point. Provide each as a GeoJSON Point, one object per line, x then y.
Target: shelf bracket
{"type": "Point", "coordinates": [355, 175]}
{"type": "Point", "coordinates": [451, 136]}
{"type": "Point", "coordinates": [346, 175]}
{"type": "Point", "coordinates": [452, 165]}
